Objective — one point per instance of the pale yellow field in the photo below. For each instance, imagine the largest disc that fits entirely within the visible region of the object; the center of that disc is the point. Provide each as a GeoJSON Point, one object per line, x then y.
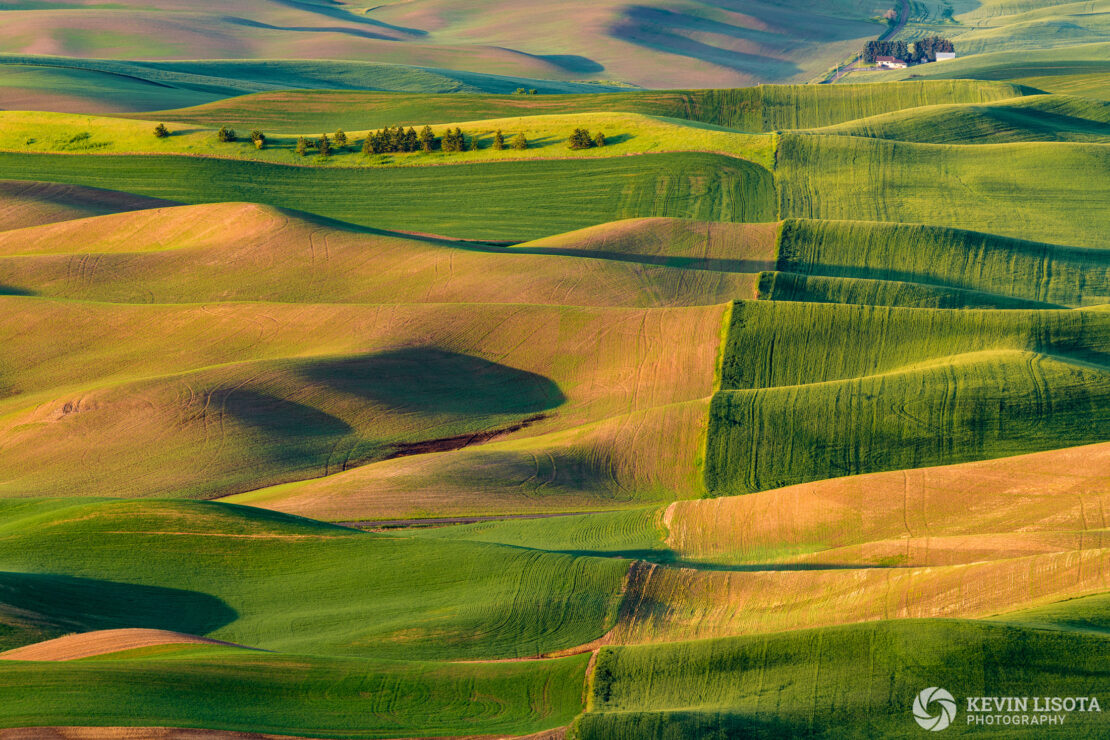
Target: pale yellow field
{"type": "Point", "coordinates": [27, 203]}
{"type": "Point", "coordinates": [667, 604]}
{"type": "Point", "coordinates": [102, 642]}
{"type": "Point", "coordinates": [916, 517]}
{"type": "Point", "coordinates": [647, 455]}
{"type": "Point", "coordinates": [247, 252]}
{"type": "Point", "coordinates": [216, 399]}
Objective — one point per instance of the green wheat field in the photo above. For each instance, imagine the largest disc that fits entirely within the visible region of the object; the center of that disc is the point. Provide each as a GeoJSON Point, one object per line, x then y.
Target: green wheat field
{"type": "Point", "coordinates": [553, 371]}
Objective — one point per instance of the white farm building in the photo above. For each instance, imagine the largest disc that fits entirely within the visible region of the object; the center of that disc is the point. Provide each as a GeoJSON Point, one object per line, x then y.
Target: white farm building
{"type": "Point", "coordinates": [890, 63]}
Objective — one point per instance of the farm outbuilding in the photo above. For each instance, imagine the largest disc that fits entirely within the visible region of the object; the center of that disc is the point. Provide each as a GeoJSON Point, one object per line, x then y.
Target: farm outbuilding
{"type": "Point", "coordinates": [890, 63]}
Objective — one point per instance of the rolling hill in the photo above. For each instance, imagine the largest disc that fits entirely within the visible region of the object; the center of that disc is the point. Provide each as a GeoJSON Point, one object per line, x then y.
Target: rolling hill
{"type": "Point", "coordinates": [1070, 70]}
{"type": "Point", "coordinates": [654, 44]}
{"type": "Point", "coordinates": [483, 201]}
{"type": "Point", "coordinates": [763, 108]}
{"type": "Point", "coordinates": [818, 683]}
{"type": "Point", "coordinates": [74, 84]}
{"type": "Point", "coordinates": [787, 403]}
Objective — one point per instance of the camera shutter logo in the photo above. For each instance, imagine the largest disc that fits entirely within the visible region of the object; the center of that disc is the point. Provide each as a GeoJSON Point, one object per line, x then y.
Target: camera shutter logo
{"type": "Point", "coordinates": [941, 701]}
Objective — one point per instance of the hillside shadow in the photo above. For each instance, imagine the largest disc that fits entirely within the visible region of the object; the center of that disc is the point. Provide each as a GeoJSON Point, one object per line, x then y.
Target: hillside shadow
{"type": "Point", "coordinates": [343, 15]}
{"type": "Point", "coordinates": [12, 290]}
{"type": "Point", "coordinates": [357, 32]}
{"type": "Point", "coordinates": [683, 263]}
{"type": "Point", "coordinates": [433, 380]}
{"type": "Point", "coordinates": [571, 62]}
{"type": "Point", "coordinates": [73, 604]}
{"type": "Point", "coordinates": [617, 139]}
{"type": "Point", "coordinates": [475, 245]}
{"type": "Point", "coordinates": [279, 417]}
{"type": "Point", "coordinates": [709, 724]}
{"type": "Point", "coordinates": [185, 131]}
{"type": "Point", "coordinates": [656, 29]}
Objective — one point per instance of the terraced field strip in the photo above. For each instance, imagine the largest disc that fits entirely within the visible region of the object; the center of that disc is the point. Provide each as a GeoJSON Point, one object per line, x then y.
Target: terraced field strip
{"type": "Point", "coordinates": [1052, 192]}
{"type": "Point", "coordinates": [336, 697]}
{"type": "Point", "coordinates": [1034, 118]}
{"type": "Point", "coordinates": [930, 516]}
{"type": "Point", "coordinates": [958, 386]}
{"type": "Point", "coordinates": [240, 395]}
{"type": "Point", "coordinates": [974, 267]}
{"type": "Point", "coordinates": [413, 600]}
{"type": "Point", "coordinates": [669, 604]}
{"type": "Point", "coordinates": [819, 682]}
{"type": "Point", "coordinates": [481, 201]}
{"type": "Point", "coordinates": [626, 134]}
{"type": "Point", "coordinates": [760, 108]}
{"type": "Point", "coordinates": [184, 255]}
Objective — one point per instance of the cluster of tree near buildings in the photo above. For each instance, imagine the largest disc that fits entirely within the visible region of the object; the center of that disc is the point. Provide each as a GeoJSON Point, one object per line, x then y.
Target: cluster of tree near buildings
{"type": "Point", "coordinates": [401, 140]}
{"type": "Point", "coordinates": [922, 51]}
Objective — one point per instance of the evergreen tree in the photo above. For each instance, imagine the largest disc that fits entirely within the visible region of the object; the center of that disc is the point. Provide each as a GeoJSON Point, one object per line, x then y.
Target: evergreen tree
{"type": "Point", "coordinates": [302, 145]}
{"type": "Point", "coordinates": [871, 51]}
{"type": "Point", "coordinates": [580, 139]}
{"type": "Point", "coordinates": [160, 131]}
{"type": "Point", "coordinates": [427, 139]}
{"type": "Point", "coordinates": [520, 142]}
{"type": "Point", "coordinates": [340, 138]}
{"type": "Point", "coordinates": [473, 144]}
{"type": "Point", "coordinates": [532, 91]}
{"type": "Point", "coordinates": [324, 145]}
{"type": "Point", "coordinates": [925, 49]}
{"type": "Point", "coordinates": [225, 134]}
{"type": "Point", "coordinates": [412, 140]}
{"type": "Point", "coordinates": [599, 139]}
{"type": "Point", "coordinates": [499, 140]}
{"type": "Point", "coordinates": [258, 138]}
{"type": "Point", "coordinates": [453, 140]}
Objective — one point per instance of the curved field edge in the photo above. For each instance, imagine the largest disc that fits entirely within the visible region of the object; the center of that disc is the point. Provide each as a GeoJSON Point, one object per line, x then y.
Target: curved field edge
{"type": "Point", "coordinates": [957, 386]}
{"type": "Point", "coordinates": [547, 135]}
{"type": "Point", "coordinates": [184, 254]}
{"type": "Point", "coordinates": [336, 697]}
{"type": "Point", "coordinates": [837, 682]}
{"type": "Point", "coordinates": [181, 254]}
{"type": "Point", "coordinates": [81, 568]}
{"type": "Point", "coordinates": [1005, 507]}
{"type": "Point", "coordinates": [479, 201]}
{"type": "Point", "coordinates": [1034, 118]}
{"type": "Point", "coordinates": [102, 642]}
{"type": "Point", "coordinates": [326, 387]}
{"type": "Point", "coordinates": [939, 257]}
{"type": "Point", "coordinates": [763, 108]}
{"type": "Point", "coordinates": [1052, 192]}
